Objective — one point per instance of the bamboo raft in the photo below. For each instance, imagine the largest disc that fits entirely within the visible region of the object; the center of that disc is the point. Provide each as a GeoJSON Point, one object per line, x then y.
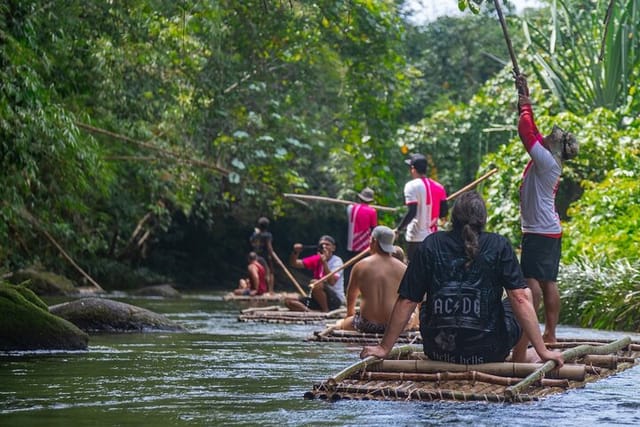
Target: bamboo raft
{"type": "Point", "coordinates": [331, 334]}
{"type": "Point", "coordinates": [264, 298]}
{"type": "Point", "coordinates": [276, 314]}
{"type": "Point", "coordinates": [407, 374]}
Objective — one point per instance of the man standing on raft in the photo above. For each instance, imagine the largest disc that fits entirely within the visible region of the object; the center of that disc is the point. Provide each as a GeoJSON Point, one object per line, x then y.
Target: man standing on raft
{"type": "Point", "coordinates": [541, 229]}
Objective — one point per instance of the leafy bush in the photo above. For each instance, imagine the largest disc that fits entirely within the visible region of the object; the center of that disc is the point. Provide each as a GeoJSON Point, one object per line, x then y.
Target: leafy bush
{"type": "Point", "coordinates": [599, 294]}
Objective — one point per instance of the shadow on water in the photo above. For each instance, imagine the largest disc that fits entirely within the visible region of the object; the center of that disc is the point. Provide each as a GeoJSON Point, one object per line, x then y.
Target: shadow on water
{"type": "Point", "coordinates": [226, 372]}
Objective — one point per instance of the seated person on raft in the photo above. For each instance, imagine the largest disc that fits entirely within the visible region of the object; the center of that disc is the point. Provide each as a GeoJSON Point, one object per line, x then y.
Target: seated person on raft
{"type": "Point", "coordinates": [326, 295]}
{"type": "Point", "coordinates": [256, 282]}
{"type": "Point", "coordinates": [375, 280]}
{"type": "Point", "coordinates": [463, 273]}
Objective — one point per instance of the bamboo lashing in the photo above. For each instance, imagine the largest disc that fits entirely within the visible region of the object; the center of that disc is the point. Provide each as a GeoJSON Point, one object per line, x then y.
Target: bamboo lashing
{"type": "Point", "coordinates": [332, 200]}
{"type": "Point", "coordinates": [579, 351]}
{"type": "Point", "coordinates": [289, 275]}
{"type": "Point", "coordinates": [472, 184]}
{"type": "Point", "coordinates": [368, 392]}
{"type": "Point", "coordinates": [342, 267]}
{"type": "Point", "coordinates": [457, 376]}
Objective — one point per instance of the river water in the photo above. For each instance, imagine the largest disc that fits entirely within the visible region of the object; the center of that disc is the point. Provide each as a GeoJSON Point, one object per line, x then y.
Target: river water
{"type": "Point", "coordinates": [225, 372]}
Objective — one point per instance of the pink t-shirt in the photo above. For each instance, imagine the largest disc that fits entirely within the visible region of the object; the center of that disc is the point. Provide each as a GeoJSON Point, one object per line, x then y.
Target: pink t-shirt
{"type": "Point", "coordinates": [362, 218]}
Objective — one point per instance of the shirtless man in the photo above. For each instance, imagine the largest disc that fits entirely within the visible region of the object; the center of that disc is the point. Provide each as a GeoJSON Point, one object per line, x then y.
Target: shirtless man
{"type": "Point", "coordinates": [256, 282]}
{"type": "Point", "coordinates": [375, 279]}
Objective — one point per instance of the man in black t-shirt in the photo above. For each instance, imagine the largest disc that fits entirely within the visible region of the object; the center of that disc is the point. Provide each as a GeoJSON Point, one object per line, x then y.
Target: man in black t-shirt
{"type": "Point", "coordinates": [262, 243]}
{"type": "Point", "coordinates": [459, 276]}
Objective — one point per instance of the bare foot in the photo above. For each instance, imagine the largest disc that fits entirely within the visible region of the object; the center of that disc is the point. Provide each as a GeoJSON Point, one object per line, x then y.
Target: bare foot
{"type": "Point", "coordinates": [549, 338]}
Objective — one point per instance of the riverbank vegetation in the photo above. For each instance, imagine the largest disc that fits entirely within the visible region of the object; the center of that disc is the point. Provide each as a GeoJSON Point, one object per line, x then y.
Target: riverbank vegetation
{"type": "Point", "coordinates": [139, 142]}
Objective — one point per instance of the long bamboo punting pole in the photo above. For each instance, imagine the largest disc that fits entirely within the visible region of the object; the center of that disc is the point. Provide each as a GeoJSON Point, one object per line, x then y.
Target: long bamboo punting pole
{"type": "Point", "coordinates": [342, 267]}
{"type": "Point", "coordinates": [503, 24]}
{"type": "Point", "coordinates": [289, 275]}
{"type": "Point", "coordinates": [332, 200]}
{"type": "Point", "coordinates": [472, 184]}
{"type": "Point", "coordinates": [574, 353]}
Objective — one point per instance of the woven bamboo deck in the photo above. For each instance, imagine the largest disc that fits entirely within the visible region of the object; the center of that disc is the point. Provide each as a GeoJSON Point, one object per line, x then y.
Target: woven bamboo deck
{"type": "Point", "coordinates": [275, 314]}
{"type": "Point", "coordinates": [331, 334]}
{"type": "Point", "coordinates": [406, 374]}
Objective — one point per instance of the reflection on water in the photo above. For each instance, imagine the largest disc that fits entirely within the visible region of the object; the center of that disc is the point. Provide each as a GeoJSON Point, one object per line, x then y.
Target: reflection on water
{"type": "Point", "coordinates": [226, 372]}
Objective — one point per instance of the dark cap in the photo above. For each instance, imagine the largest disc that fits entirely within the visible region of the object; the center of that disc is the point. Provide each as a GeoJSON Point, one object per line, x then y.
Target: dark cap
{"type": "Point", "coordinates": [418, 161]}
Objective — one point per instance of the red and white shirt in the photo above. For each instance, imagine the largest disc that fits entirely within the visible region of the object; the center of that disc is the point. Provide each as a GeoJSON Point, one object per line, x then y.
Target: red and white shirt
{"type": "Point", "coordinates": [540, 181]}
{"type": "Point", "coordinates": [427, 195]}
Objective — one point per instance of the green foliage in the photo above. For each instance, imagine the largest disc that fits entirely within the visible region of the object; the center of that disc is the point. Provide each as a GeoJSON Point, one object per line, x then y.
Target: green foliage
{"type": "Point", "coordinates": [457, 138]}
{"type": "Point", "coordinates": [599, 294]}
{"type": "Point", "coordinates": [453, 57]}
{"type": "Point", "coordinates": [46, 166]}
{"type": "Point", "coordinates": [606, 219]}
{"type": "Point", "coordinates": [567, 52]}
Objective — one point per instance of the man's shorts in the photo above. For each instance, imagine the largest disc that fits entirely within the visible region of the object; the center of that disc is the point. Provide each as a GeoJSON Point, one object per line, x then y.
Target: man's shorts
{"type": "Point", "coordinates": [333, 301]}
{"type": "Point", "coordinates": [540, 257]}
{"type": "Point", "coordinates": [363, 325]}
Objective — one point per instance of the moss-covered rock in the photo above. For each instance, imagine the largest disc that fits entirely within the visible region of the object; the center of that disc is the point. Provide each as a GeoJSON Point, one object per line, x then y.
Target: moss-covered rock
{"type": "Point", "coordinates": [104, 315]}
{"type": "Point", "coordinates": [43, 283]}
{"type": "Point", "coordinates": [26, 324]}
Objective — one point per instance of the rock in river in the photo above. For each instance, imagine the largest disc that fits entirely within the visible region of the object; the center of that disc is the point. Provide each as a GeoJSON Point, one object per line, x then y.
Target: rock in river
{"type": "Point", "coordinates": [105, 315]}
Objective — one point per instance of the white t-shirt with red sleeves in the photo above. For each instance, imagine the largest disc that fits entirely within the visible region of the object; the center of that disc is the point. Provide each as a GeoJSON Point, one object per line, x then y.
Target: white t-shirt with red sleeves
{"type": "Point", "coordinates": [426, 194]}
{"type": "Point", "coordinates": [540, 181]}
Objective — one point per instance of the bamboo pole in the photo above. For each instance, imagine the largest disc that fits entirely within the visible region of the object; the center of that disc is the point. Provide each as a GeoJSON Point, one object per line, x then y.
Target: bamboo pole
{"type": "Point", "coordinates": [332, 200]}
{"type": "Point", "coordinates": [472, 184]}
{"type": "Point", "coordinates": [368, 361]}
{"type": "Point", "coordinates": [522, 370]}
{"type": "Point", "coordinates": [503, 24]}
{"type": "Point", "coordinates": [581, 350]}
{"type": "Point", "coordinates": [165, 153]}
{"type": "Point", "coordinates": [289, 275]}
{"type": "Point", "coordinates": [342, 267]}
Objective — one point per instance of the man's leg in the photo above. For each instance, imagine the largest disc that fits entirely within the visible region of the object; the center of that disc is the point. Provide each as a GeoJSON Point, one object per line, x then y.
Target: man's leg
{"type": "Point", "coordinates": [319, 295]}
{"type": "Point", "coordinates": [294, 304]}
{"type": "Point", "coordinates": [551, 297]}
{"type": "Point", "coordinates": [536, 292]}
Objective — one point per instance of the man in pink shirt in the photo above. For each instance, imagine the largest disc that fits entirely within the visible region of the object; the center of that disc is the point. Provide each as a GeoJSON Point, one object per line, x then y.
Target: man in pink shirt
{"type": "Point", "coordinates": [362, 218]}
{"type": "Point", "coordinates": [541, 229]}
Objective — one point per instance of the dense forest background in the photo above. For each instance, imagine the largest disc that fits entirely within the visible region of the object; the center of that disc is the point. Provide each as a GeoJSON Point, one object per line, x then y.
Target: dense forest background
{"type": "Point", "coordinates": [143, 139]}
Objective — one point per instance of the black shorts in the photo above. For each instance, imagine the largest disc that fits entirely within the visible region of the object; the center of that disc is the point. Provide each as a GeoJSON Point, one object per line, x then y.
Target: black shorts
{"type": "Point", "coordinates": [333, 301]}
{"type": "Point", "coordinates": [540, 257]}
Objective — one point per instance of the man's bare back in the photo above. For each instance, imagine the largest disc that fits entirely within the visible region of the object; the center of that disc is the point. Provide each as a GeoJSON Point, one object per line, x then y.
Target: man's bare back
{"type": "Point", "coordinates": [375, 279]}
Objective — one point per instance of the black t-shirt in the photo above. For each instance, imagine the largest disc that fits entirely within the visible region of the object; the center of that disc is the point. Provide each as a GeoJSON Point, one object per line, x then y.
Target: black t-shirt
{"type": "Point", "coordinates": [259, 242]}
{"type": "Point", "coordinates": [462, 315]}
